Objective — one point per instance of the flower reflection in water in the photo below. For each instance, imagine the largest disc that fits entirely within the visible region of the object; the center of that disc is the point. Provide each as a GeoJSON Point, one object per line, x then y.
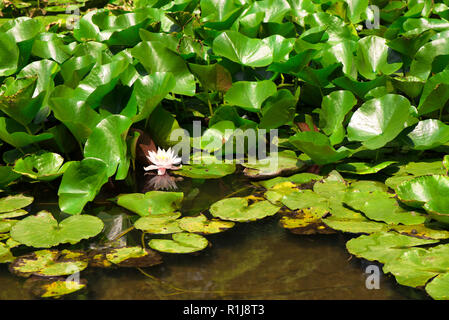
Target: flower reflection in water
{"type": "Point", "coordinates": [161, 182]}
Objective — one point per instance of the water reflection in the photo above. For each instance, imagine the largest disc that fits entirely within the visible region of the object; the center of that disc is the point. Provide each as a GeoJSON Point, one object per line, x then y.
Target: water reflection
{"type": "Point", "coordinates": [163, 182]}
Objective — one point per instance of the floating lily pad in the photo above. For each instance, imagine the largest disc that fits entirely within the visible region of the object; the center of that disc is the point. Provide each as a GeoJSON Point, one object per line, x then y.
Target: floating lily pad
{"type": "Point", "coordinates": [206, 171]}
{"type": "Point", "coordinates": [12, 203]}
{"type": "Point", "coordinates": [5, 254]}
{"type": "Point", "coordinates": [383, 246]}
{"type": "Point", "coordinates": [238, 209]}
{"type": "Point", "coordinates": [136, 257]}
{"type": "Point", "coordinates": [200, 224]}
{"type": "Point", "coordinates": [153, 202]}
{"type": "Point", "coordinates": [281, 163]}
{"type": "Point", "coordinates": [13, 214]}
{"type": "Point", "coordinates": [43, 231]}
{"type": "Point", "coordinates": [421, 191]}
{"type": "Point", "coordinates": [417, 266]}
{"type": "Point", "coordinates": [45, 166]}
{"type": "Point", "coordinates": [299, 178]}
{"type": "Point", "coordinates": [421, 231]}
{"type": "Point", "coordinates": [182, 243]}
{"type": "Point", "coordinates": [6, 225]}
{"type": "Point", "coordinates": [53, 287]}
{"type": "Point", "coordinates": [306, 221]}
{"type": "Point", "coordinates": [346, 220]}
{"type": "Point", "coordinates": [49, 263]}
{"type": "Point", "coordinates": [363, 167]}
{"type": "Point", "coordinates": [380, 206]}
{"type": "Point", "coordinates": [159, 224]}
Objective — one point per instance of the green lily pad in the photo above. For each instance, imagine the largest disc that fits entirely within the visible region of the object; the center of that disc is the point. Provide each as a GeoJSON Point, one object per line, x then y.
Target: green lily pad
{"type": "Point", "coordinates": [182, 243]}
{"type": "Point", "coordinates": [6, 225]}
{"type": "Point", "coordinates": [380, 206]}
{"type": "Point", "coordinates": [49, 263]}
{"type": "Point", "coordinates": [43, 231]}
{"type": "Point", "coordinates": [151, 203]}
{"type": "Point", "coordinates": [438, 288]}
{"type": "Point", "coordinates": [284, 162]}
{"type": "Point", "coordinates": [421, 190]}
{"type": "Point", "coordinates": [5, 254]}
{"type": "Point", "coordinates": [384, 246]}
{"type": "Point", "coordinates": [13, 214]}
{"type": "Point", "coordinates": [417, 266]}
{"type": "Point", "coordinates": [160, 223]}
{"type": "Point", "coordinates": [200, 224]}
{"type": "Point", "coordinates": [135, 257]}
{"type": "Point", "coordinates": [299, 178]}
{"type": "Point", "coordinates": [363, 167]}
{"type": "Point", "coordinates": [206, 171]}
{"type": "Point", "coordinates": [45, 166]}
{"type": "Point", "coordinates": [13, 203]}
{"type": "Point", "coordinates": [238, 209]}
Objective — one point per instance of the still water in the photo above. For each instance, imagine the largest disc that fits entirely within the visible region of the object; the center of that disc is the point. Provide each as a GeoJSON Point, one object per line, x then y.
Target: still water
{"type": "Point", "coordinates": [257, 260]}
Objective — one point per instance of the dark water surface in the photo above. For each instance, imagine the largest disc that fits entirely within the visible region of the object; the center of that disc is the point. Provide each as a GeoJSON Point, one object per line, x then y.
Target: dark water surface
{"type": "Point", "coordinates": [258, 260]}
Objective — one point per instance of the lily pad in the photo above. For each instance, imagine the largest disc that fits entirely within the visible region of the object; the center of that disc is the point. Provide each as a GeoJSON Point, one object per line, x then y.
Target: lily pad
{"type": "Point", "coordinates": [13, 203]}
{"type": "Point", "coordinates": [53, 287]}
{"type": "Point", "coordinates": [306, 221]}
{"type": "Point", "coordinates": [363, 167]}
{"type": "Point", "coordinates": [159, 224]}
{"type": "Point", "coordinates": [383, 246]}
{"type": "Point", "coordinates": [5, 254]}
{"type": "Point", "coordinates": [281, 163]}
{"type": "Point", "coordinates": [49, 263]}
{"type": "Point", "coordinates": [151, 203]}
{"type": "Point", "coordinates": [206, 171]}
{"type": "Point", "coordinates": [380, 206]}
{"type": "Point", "coordinates": [43, 231]}
{"type": "Point", "coordinates": [46, 166]}
{"type": "Point", "coordinates": [182, 243]}
{"type": "Point", "coordinates": [299, 178]}
{"type": "Point", "coordinates": [238, 209]}
{"type": "Point", "coordinates": [200, 224]}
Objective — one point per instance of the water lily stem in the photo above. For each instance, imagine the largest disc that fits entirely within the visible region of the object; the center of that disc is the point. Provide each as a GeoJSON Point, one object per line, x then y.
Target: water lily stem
{"type": "Point", "coordinates": [211, 111]}
{"type": "Point", "coordinates": [123, 233]}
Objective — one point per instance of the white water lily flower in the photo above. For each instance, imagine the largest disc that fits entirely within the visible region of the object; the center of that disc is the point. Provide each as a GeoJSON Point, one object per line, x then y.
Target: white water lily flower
{"type": "Point", "coordinates": [163, 160]}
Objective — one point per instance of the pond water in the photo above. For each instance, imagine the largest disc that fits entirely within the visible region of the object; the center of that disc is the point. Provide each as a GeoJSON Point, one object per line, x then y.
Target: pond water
{"type": "Point", "coordinates": [258, 260]}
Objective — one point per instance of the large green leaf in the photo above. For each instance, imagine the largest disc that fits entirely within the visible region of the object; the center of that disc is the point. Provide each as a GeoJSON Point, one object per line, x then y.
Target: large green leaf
{"type": "Point", "coordinates": [9, 55]}
{"type": "Point", "coordinates": [241, 49]}
{"type": "Point", "coordinates": [157, 58]}
{"type": "Point", "coordinates": [250, 95]}
{"type": "Point", "coordinates": [80, 184]}
{"type": "Point", "coordinates": [16, 135]}
{"type": "Point", "coordinates": [44, 166]}
{"type": "Point", "coordinates": [428, 134]}
{"type": "Point", "coordinates": [334, 108]}
{"type": "Point", "coordinates": [379, 120]}
{"type": "Point", "coordinates": [372, 54]}
{"type": "Point", "coordinates": [318, 147]}
{"type": "Point", "coordinates": [107, 142]}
